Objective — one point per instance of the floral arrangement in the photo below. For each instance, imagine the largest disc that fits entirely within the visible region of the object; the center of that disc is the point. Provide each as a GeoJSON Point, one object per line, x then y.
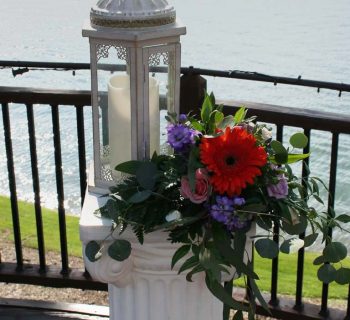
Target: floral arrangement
{"type": "Point", "coordinates": [225, 174]}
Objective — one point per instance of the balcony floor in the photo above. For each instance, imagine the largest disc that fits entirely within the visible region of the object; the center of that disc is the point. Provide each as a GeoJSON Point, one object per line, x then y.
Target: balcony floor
{"type": "Point", "coordinates": [14, 309]}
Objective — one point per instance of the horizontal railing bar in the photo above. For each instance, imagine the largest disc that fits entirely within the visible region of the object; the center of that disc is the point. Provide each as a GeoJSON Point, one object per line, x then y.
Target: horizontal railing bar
{"type": "Point", "coordinates": [286, 311]}
{"type": "Point", "coordinates": [260, 77]}
{"type": "Point", "coordinates": [30, 274]}
{"type": "Point", "coordinates": [233, 74]}
{"type": "Point", "coordinates": [295, 117]}
{"type": "Point", "coordinates": [73, 309]}
{"type": "Point", "coordinates": [44, 96]}
{"type": "Point", "coordinates": [309, 119]}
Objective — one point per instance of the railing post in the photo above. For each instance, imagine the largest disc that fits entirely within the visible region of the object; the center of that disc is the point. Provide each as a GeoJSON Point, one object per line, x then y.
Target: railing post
{"type": "Point", "coordinates": [12, 186]}
{"type": "Point", "coordinates": [192, 91]}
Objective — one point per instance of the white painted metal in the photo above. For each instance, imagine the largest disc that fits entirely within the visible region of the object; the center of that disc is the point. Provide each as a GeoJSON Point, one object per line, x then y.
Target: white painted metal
{"type": "Point", "coordinates": [139, 43]}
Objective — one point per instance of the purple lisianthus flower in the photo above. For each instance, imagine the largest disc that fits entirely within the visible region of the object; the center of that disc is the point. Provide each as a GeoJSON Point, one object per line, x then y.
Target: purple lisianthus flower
{"type": "Point", "coordinates": [280, 189]}
{"type": "Point", "coordinates": [181, 137]}
{"type": "Point", "coordinates": [224, 211]}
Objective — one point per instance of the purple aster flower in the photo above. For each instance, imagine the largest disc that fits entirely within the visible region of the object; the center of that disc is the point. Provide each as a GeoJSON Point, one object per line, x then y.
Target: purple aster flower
{"type": "Point", "coordinates": [224, 211]}
{"type": "Point", "coordinates": [181, 137]}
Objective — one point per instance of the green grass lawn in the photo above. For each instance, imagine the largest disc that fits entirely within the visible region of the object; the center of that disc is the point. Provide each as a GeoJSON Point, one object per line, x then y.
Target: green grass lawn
{"type": "Point", "coordinates": [51, 227]}
{"type": "Point", "coordinates": [287, 263]}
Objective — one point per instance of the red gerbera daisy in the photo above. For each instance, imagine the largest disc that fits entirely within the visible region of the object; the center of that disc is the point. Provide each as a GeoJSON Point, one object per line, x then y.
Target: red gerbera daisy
{"type": "Point", "coordinates": [233, 159]}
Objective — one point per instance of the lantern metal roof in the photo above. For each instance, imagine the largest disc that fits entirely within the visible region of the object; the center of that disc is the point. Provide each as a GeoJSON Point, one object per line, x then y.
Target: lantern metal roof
{"type": "Point", "coordinates": [132, 13]}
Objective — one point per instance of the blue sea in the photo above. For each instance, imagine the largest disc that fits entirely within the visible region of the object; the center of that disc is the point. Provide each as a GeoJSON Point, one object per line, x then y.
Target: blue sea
{"type": "Point", "coordinates": [307, 38]}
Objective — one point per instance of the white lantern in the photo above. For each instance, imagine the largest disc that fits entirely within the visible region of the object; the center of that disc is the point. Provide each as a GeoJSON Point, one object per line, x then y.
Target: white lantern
{"type": "Point", "coordinates": [135, 57]}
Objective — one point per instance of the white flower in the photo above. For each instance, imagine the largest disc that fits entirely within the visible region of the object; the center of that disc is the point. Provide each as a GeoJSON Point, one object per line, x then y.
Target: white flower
{"type": "Point", "coordinates": [173, 215]}
{"type": "Point", "coordinates": [266, 134]}
{"type": "Point", "coordinates": [295, 245]}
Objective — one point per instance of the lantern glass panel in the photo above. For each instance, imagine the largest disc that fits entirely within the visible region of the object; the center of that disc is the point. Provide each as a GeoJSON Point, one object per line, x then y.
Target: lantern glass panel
{"type": "Point", "coordinates": [113, 82]}
{"type": "Point", "coordinates": [161, 67]}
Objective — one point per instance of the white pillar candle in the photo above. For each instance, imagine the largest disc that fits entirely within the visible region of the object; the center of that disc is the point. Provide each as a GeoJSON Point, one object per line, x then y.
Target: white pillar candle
{"type": "Point", "coordinates": [119, 119]}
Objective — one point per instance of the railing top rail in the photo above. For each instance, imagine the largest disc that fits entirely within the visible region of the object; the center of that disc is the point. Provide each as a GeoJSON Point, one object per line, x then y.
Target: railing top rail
{"type": "Point", "coordinates": [295, 117]}
{"type": "Point", "coordinates": [44, 96]}
{"type": "Point", "coordinates": [233, 74]}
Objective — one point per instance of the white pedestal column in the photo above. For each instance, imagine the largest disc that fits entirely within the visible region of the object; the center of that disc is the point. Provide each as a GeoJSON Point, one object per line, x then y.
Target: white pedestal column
{"type": "Point", "coordinates": [143, 287]}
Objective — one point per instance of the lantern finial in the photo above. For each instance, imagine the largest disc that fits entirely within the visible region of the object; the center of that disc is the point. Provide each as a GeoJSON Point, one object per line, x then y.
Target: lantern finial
{"type": "Point", "coordinates": [132, 13]}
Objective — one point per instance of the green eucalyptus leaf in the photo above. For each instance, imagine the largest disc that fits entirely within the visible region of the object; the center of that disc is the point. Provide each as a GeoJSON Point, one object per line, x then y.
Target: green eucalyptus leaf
{"type": "Point", "coordinates": [292, 158]}
{"type": "Point", "coordinates": [193, 165]}
{"type": "Point", "coordinates": [295, 229]}
{"type": "Point", "coordinates": [267, 248]}
{"type": "Point", "coordinates": [238, 315]}
{"type": "Point", "coordinates": [318, 261]}
{"type": "Point", "coordinates": [228, 121]}
{"type": "Point", "coordinates": [315, 188]}
{"type": "Point", "coordinates": [239, 243]}
{"type": "Point", "coordinates": [212, 98]}
{"type": "Point", "coordinates": [207, 108]}
{"type": "Point", "coordinates": [180, 253]}
{"type": "Point", "coordinates": [92, 250]}
{"type": "Point", "coordinates": [197, 126]}
{"type": "Point", "coordinates": [112, 209]}
{"type": "Point", "coordinates": [119, 250]}
{"type": "Point", "coordinates": [264, 222]}
{"type": "Point", "coordinates": [342, 276]}
{"type": "Point", "coordinates": [318, 198]}
{"type": "Point", "coordinates": [335, 252]}
{"type": "Point", "coordinates": [140, 196]}
{"type": "Point", "coordinates": [198, 268]}
{"type": "Point", "coordinates": [219, 116]}
{"type": "Point", "coordinates": [299, 140]}
{"type": "Point", "coordinates": [258, 295]}
{"type": "Point", "coordinates": [146, 175]}
{"type": "Point", "coordinates": [219, 291]}
{"type": "Point", "coordinates": [285, 246]}
{"type": "Point", "coordinates": [188, 264]}
{"type": "Point", "coordinates": [129, 167]}
{"type": "Point", "coordinates": [326, 273]}
{"type": "Point", "coordinates": [240, 115]}
{"type": "Point", "coordinates": [345, 218]}
{"type": "Point", "coordinates": [281, 154]}
{"type": "Point", "coordinates": [220, 107]}
{"type": "Point", "coordinates": [215, 118]}
{"type": "Point", "coordinates": [310, 239]}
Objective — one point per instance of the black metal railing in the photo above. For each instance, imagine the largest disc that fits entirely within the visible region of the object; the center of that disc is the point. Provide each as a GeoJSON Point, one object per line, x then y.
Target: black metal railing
{"type": "Point", "coordinates": [43, 274]}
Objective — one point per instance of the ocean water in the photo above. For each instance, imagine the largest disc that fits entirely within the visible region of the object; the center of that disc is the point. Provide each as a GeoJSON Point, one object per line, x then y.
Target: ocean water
{"type": "Point", "coordinates": [309, 38]}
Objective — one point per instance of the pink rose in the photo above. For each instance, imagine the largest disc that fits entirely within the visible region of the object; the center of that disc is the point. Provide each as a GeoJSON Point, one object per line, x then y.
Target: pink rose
{"type": "Point", "coordinates": [202, 188]}
{"type": "Point", "coordinates": [279, 190]}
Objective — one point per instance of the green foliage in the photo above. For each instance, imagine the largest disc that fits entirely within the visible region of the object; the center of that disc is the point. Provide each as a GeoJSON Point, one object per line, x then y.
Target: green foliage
{"type": "Point", "coordinates": [267, 248]}
{"type": "Point", "coordinates": [92, 251]}
{"type": "Point", "coordinates": [335, 252]}
{"type": "Point", "coordinates": [119, 250]}
{"type": "Point", "coordinates": [326, 273]}
{"type": "Point", "coordinates": [212, 235]}
{"type": "Point", "coordinates": [342, 276]}
{"type": "Point", "coordinates": [299, 140]}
